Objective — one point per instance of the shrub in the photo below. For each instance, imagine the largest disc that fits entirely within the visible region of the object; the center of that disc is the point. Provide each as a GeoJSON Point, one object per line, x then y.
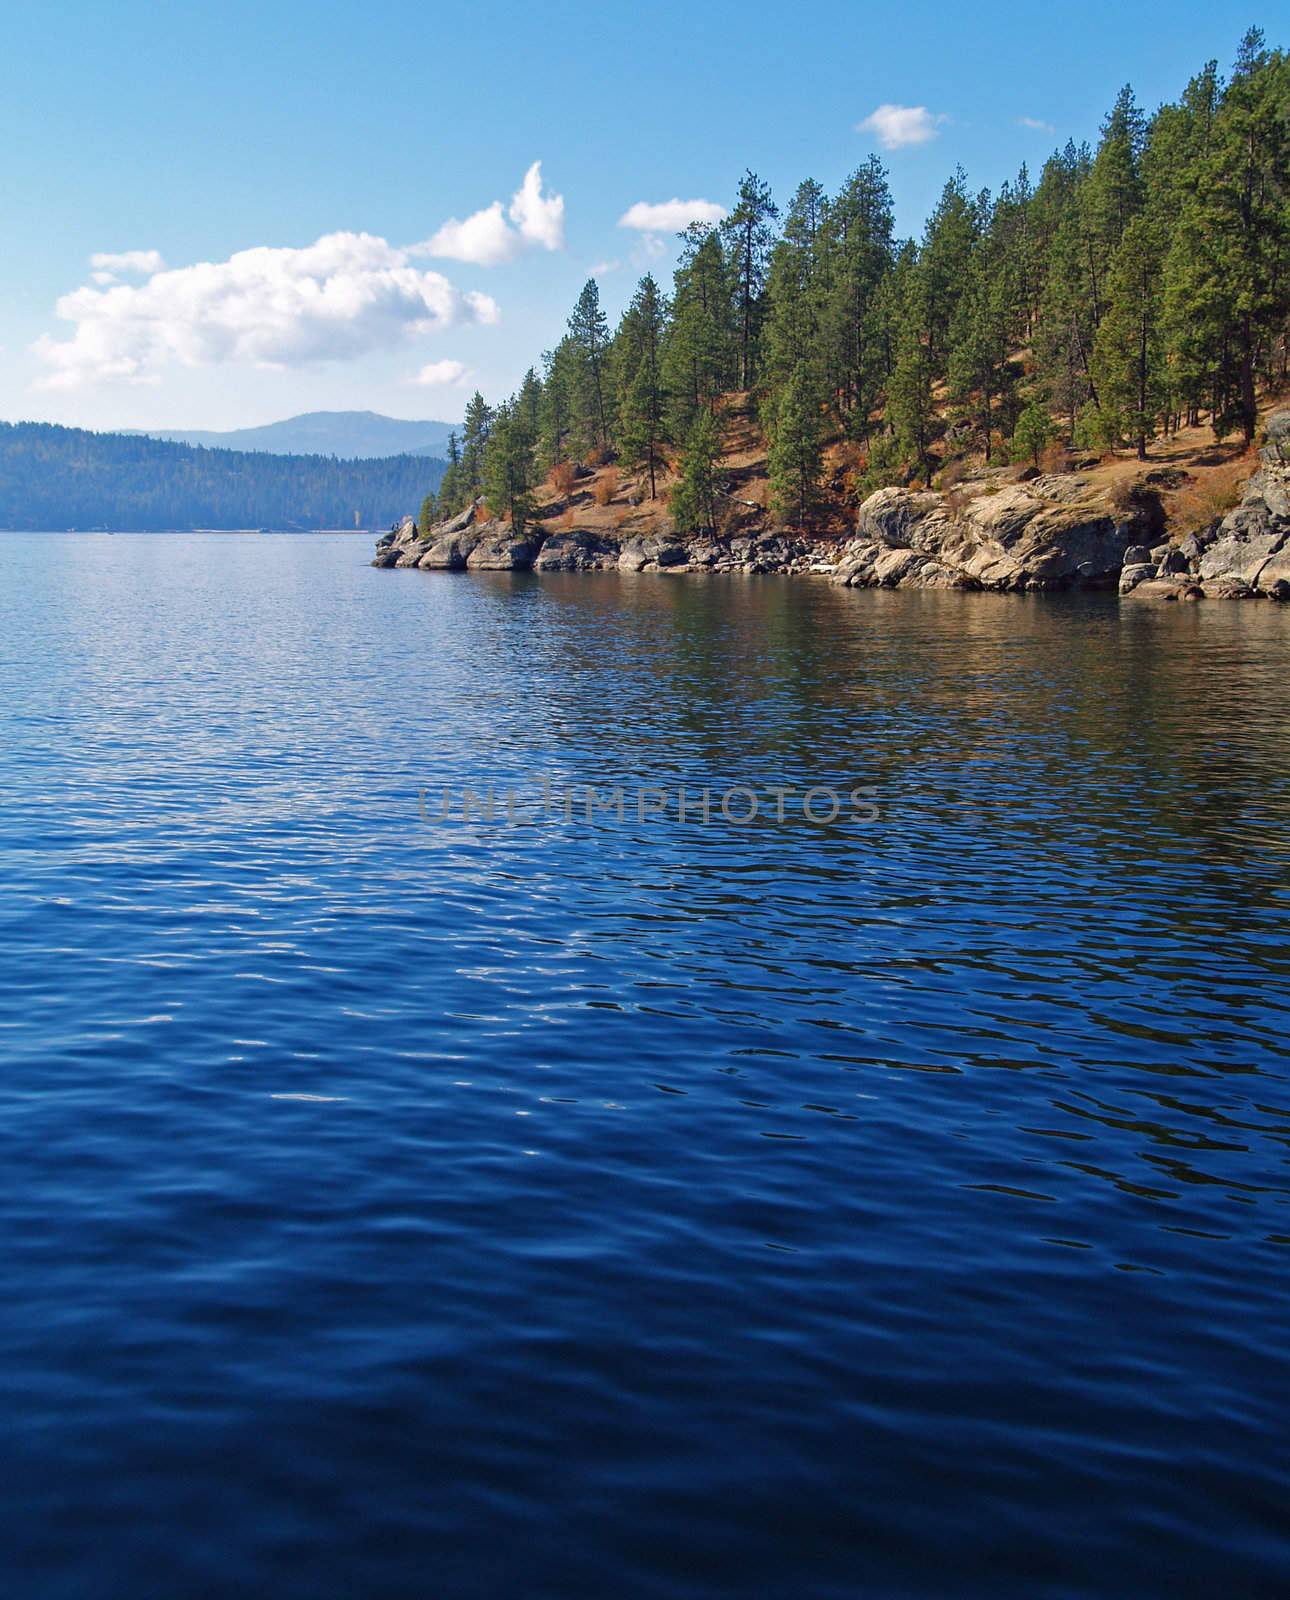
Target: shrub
{"type": "Point", "coordinates": [1095, 430]}
{"type": "Point", "coordinates": [562, 478]}
{"type": "Point", "coordinates": [606, 486]}
{"type": "Point", "coordinates": [1033, 432]}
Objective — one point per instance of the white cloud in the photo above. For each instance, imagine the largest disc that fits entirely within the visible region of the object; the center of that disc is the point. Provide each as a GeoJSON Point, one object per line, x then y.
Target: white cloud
{"type": "Point", "coordinates": [437, 373]}
{"type": "Point", "coordinates": [484, 238]}
{"type": "Point", "coordinates": [602, 267]}
{"type": "Point", "coordinates": [143, 263]}
{"type": "Point", "coordinates": [669, 216]}
{"type": "Point", "coordinates": [898, 126]}
{"type": "Point", "coordinates": [539, 217]}
{"type": "Point", "coordinates": [487, 239]}
{"type": "Point", "coordinates": [1035, 125]}
{"type": "Point", "coordinates": [273, 307]}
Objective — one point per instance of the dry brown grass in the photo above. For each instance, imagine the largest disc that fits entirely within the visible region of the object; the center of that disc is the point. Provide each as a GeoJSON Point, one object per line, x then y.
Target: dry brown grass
{"type": "Point", "coordinates": [1123, 495]}
{"type": "Point", "coordinates": [606, 486]}
{"type": "Point", "coordinates": [482, 513]}
{"type": "Point", "coordinates": [1198, 503]}
{"type": "Point", "coordinates": [562, 478]}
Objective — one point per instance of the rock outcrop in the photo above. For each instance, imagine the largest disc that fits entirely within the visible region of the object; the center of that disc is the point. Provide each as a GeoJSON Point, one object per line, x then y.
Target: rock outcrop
{"type": "Point", "coordinates": [1243, 556]}
{"type": "Point", "coordinates": [1053, 532]}
{"type": "Point", "coordinates": [466, 544]}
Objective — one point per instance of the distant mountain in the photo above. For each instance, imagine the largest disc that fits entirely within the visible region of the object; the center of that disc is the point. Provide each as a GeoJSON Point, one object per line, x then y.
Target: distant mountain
{"type": "Point", "coordinates": [352, 435]}
{"type": "Point", "coordinates": [52, 477]}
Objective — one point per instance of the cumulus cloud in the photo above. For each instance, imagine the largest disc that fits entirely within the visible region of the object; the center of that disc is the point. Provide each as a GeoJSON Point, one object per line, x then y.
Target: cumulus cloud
{"type": "Point", "coordinates": [347, 294]}
{"type": "Point", "coordinates": [1035, 125]}
{"type": "Point", "coordinates": [669, 216]}
{"type": "Point", "coordinates": [487, 238]}
{"type": "Point", "coordinates": [435, 374]}
{"type": "Point", "coordinates": [538, 216]}
{"type": "Point", "coordinates": [899, 126]}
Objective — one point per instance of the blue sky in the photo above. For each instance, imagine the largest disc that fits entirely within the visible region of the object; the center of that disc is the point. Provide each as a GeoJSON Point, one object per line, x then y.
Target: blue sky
{"type": "Point", "coordinates": [183, 135]}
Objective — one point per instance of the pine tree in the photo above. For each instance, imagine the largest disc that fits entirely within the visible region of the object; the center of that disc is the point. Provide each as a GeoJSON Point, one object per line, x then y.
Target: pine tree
{"type": "Point", "coordinates": [479, 421]}
{"type": "Point", "coordinates": [700, 354]}
{"type": "Point", "coordinates": [426, 515]}
{"type": "Point", "coordinates": [794, 296]}
{"type": "Point", "coordinates": [749, 236]}
{"type": "Point", "coordinates": [641, 406]}
{"type": "Point", "coordinates": [1227, 291]}
{"type": "Point", "coordinates": [943, 266]}
{"type": "Point", "coordinates": [509, 472]}
{"type": "Point", "coordinates": [693, 502]}
{"type": "Point", "coordinates": [1033, 432]}
{"type": "Point", "coordinates": [562, 369]}
{"type": "Point", "coordinates": [979, 374]}
{"type": "Point", "coordinates": [795, 458]}
{"type": "Point", "coordinates": [909, 399]}
{"type": "Point", "coordinates": [451, 493]}
{"type": "Point", "coordinates": [1113, 193]}
{"type": "Point", "coordinates": [857, 257]}
{"type": "Point", "coordinates": [589, 331]}
{"type": "Point", "coordinates": [1128, 356]}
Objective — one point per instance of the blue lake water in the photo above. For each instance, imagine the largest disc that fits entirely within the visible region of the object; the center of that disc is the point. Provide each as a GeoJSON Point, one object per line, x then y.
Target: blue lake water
{"type": "Point", "coordinates": [400, 1206]}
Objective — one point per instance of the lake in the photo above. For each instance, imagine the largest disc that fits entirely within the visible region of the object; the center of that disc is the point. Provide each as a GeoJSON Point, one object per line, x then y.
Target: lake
{"type": "Point", "coordinates": [402, 1203]}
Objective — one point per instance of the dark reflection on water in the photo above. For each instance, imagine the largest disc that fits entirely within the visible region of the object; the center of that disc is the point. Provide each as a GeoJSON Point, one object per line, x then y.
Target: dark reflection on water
{"type": "Point", "coordinates": [399, 1209]}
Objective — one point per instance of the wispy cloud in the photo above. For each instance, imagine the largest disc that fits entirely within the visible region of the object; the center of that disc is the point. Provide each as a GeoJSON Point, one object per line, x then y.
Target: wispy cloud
{"type": "Point", "coordinates": [897, 127]}
{"type": "Point", "coordinates": [496, 234]}
{"type": "Point", "coordinates": [669, 216]}
{"type": "Point", "coordinates": [139, 262]}
{"type": "Point", "coordinates": [1035, 125]}
{"type": "Point", "coordinates": [438, 374]}
{"type": "Point", "coordinates": [341, 297]}
{"type": "Point", "coordinates": [600, 268]}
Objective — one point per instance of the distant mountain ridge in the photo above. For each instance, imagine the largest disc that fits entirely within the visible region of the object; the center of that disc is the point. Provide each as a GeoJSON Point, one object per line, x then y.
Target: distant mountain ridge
{"type": "Point", "coordinates": [351, 435]}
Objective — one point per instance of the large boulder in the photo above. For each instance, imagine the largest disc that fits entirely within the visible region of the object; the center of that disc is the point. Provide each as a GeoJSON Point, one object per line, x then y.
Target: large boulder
{"type": "Point", "coordinates": [579, 550]}
{"type": "Point", "coordinates": [499, 549]}
{"type": "Point", "coordinates": [1249, 550]}
{"type": "Point", "coordinates": [1054, 532]}
{"type": "Point", "coordinates": [449, 552]}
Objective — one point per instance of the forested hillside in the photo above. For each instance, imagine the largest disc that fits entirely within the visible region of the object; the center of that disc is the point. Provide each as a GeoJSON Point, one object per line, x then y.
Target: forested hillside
{"type": "Point", "coordinates": [1133, 288]}
{"type": "Point", "coordinates": [52, 477]}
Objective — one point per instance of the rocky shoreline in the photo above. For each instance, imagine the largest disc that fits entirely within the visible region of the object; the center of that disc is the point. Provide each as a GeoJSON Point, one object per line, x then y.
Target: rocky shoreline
{"type": "Point", "coordinates": [1052, 532]}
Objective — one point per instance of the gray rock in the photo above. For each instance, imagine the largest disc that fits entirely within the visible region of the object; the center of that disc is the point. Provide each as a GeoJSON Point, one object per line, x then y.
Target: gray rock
{"type": "Point", "coordinates": [1171, 588]}
{"type": "Point", "coordinates": [1277, 450]}
{"type": "Point", "coordinates": [577, 551]}
{"type": "Point", "coordinates": [499, 550]}
{"type": "Point", "coordinates": [1052, 532]}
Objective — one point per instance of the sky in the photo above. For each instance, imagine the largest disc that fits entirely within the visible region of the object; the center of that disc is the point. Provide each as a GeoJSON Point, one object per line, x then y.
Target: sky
{"type": "Point", "coordinates": [216, 215]}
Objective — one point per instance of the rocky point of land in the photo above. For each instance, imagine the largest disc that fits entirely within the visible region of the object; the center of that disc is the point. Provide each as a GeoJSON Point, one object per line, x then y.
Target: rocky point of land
{"type": "Point", "coordinates": [1069, 530]}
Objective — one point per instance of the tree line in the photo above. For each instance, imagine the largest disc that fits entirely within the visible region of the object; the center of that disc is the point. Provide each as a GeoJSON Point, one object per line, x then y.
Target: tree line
{"type": "Point", "coordinates": [1137, 286]}
{"type": "Point", "coordinates": [54, 477]}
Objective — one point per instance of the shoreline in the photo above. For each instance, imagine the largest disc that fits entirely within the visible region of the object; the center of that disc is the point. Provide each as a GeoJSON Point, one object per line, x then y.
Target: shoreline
{"type": "Point", "coordinates": [1043, 533]}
